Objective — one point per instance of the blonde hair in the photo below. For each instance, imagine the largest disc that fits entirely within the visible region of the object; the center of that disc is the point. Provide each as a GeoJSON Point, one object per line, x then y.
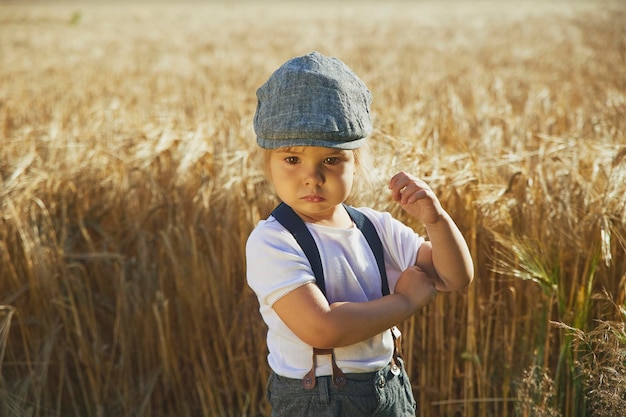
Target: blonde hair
{"type": "Point", "coordinates": [363, 180]}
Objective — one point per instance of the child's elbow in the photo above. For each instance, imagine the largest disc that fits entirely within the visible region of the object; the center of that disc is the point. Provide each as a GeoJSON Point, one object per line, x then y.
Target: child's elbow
{"type": "Point", "coordinates": [469, 274]}
{"type": "Point", "coordinates": [456, 283]}
{"type": "Point", "coordinates": [465, 276]}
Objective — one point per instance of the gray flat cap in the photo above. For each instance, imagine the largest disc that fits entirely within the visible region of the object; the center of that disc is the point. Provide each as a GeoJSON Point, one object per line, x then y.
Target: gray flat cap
{"type": "Point", "coordinates": [313, 100]}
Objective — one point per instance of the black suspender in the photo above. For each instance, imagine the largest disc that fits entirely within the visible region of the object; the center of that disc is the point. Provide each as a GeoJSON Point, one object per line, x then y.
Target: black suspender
{"type": "Point", "coordinates": [292, 222]}
{"type": "Point", "coordinates": [369, 231]}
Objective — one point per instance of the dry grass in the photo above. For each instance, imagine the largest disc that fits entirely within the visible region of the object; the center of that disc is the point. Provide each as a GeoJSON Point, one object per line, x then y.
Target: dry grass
{"type": "Point", "coordinates": [129, 181]}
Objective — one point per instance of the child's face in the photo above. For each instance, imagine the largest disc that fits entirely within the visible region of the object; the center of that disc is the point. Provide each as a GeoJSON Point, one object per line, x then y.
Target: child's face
{"type": "Point", "coordinates": [312, 180]}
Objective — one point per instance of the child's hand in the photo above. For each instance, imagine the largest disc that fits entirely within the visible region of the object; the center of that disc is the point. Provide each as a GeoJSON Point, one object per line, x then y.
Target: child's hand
{"type": "Point", "coordinates": [416, 287]}
{"type": "Point", "coordinates": [416, 197]}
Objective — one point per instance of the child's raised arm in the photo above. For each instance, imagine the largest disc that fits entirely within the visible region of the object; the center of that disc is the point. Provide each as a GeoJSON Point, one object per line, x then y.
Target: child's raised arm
{"type": "Point", "coordinates": [446, 257]}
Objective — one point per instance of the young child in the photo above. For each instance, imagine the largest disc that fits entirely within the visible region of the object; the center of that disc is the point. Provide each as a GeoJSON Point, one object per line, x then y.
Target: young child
{"type": "Point", "coordinates": [331, 350]}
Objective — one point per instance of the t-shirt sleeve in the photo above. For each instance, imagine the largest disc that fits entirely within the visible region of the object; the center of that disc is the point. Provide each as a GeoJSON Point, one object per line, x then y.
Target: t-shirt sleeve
{"type": "Point", "coordinates": [276, 265]}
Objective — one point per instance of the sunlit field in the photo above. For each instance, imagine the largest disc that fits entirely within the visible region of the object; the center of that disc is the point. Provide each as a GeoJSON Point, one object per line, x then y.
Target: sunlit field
{"type": "Point", "coordinates": [130, 180]}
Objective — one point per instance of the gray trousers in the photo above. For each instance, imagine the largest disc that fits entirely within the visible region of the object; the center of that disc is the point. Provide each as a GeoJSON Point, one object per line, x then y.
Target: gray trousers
{"type": "Point", "coordinates": [376, 394]}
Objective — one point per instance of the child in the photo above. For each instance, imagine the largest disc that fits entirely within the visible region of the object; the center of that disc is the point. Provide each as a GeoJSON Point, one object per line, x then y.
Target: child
{"type": "Point", "coordinates": [331, 350]}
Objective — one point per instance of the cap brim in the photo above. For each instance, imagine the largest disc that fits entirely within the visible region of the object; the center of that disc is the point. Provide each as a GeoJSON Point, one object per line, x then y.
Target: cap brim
{"type": "Point", "coordinates": [322, 143]}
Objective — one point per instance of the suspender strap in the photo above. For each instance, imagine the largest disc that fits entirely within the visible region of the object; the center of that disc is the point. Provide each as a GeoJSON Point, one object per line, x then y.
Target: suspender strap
{"type": "Point", "coordinates": [369, 231]}
{"type": "Point", "coordinates": [292, 222]}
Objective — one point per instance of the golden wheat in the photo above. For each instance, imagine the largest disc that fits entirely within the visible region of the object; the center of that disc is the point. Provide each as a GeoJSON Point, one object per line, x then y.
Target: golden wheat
{"type": "Point", "coordinates": [129, 181]}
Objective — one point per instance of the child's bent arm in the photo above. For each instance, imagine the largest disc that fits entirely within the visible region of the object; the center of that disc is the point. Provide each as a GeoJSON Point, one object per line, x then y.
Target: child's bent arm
{"type": "Point", "coordinates": [446, 257]}
{"type": "Point", "coordinates": [307, 313]}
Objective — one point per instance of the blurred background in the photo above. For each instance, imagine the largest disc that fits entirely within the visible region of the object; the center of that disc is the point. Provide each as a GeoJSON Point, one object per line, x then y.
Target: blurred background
{"type": "Point", "coordinates": [130, 180]}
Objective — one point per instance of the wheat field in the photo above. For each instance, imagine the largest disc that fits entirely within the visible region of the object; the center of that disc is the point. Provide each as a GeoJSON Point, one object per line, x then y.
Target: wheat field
{"type": "Point", "coordinates": [130, 180]}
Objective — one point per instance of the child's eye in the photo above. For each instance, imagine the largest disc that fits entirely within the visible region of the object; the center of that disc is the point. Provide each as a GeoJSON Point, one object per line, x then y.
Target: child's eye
{"type": "Point", "coordinates": [291, 160]}
{"type": "Point", "coordinates": [331, 160]}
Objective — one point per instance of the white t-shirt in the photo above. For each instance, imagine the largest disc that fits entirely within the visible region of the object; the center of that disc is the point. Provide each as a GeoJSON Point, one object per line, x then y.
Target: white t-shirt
{"type": "Point", "coordinates": [276, 265]}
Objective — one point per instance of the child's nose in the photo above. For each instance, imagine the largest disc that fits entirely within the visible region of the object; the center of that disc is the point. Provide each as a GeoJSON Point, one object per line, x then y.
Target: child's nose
{"type": "Point", "coordinates": [313, 175]}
